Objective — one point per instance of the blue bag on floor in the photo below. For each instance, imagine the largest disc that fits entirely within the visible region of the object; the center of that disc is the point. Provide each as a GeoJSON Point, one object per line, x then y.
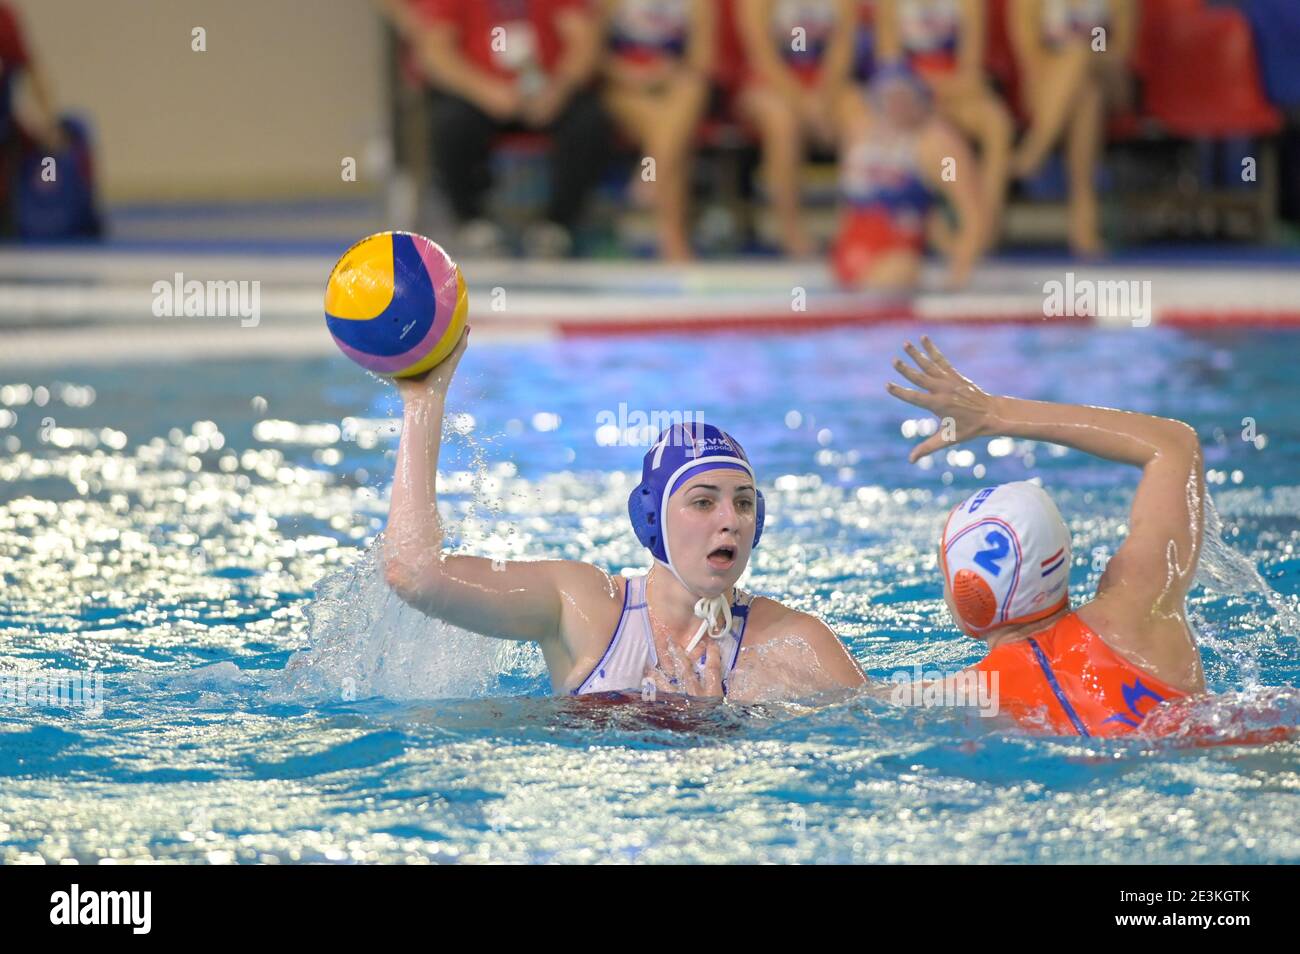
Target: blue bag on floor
{"type": "Point", "coordinates": [61, 206]}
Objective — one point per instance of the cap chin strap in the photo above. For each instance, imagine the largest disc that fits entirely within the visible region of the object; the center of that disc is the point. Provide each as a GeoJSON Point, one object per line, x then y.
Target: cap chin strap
{"type": "Point", "coordinates": [708, 609]}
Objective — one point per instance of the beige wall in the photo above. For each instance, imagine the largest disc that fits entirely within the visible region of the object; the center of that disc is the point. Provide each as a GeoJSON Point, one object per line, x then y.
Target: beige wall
{"type": "Point", "coordinates": [286, 89]}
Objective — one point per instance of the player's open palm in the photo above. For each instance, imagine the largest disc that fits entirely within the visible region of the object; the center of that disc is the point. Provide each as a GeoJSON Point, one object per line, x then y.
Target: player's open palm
{"type": "Point", "coordinates": [964, 411]}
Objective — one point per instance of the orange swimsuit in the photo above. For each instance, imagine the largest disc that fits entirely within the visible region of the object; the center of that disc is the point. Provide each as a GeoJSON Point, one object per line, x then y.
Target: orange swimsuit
{"type": "Point", "coordinates": [1067, 679]}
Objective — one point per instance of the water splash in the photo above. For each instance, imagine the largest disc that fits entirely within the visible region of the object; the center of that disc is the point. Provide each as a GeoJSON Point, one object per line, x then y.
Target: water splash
{"type": "Point", "coordinates": [1258, 715]}
{"type": "Point", "coordinates": [782, 669]}
{"type": "Point", "coordinates": [364, 642]}
{"type": "Point", "coordinates": [1230, 579]}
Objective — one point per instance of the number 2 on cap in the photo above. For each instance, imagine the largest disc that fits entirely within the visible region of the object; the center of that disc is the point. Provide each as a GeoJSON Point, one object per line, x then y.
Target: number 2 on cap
{"type": "Point", "coordinates": [998, 547]}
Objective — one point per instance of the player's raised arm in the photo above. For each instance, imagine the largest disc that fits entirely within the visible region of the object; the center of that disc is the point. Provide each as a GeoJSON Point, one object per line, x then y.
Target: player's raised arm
{"type": "Point", "coordinates": [514, 600]}
{"type": "Point", "coordinates": [1154, 568]}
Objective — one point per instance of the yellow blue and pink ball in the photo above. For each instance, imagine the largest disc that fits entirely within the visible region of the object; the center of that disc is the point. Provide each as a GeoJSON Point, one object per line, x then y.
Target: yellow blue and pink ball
{"type": "Point", "coordinates": [396, 304]}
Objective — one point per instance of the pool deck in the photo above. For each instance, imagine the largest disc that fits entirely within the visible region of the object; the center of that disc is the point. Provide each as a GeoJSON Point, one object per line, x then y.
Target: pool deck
{"type": "Point", "coordinates": [98, 304]}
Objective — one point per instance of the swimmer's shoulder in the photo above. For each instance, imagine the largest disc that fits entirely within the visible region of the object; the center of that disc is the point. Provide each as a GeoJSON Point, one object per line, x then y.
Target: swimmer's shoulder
{"type": "Point", "coordinates": [771, 621]}
{"type": "Point", "coordinates": [1163, 646]}
{"type": "Point", "coordinates": [590, 605]}
{"type": "Point", "coordinates": [768, 618]}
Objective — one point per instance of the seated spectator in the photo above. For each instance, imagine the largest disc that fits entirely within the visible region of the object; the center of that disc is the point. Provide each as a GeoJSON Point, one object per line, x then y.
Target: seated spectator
{"type": "Point", "coordinates": [504, 65]}
{"type": "Point", "coordinates": [1071, 73]}
{"type": "Point", "coordinates": [657, 65]}
{"type": "Point", "coordinates": [797, 92]}
{"type": "Point", "coordinates": [42, 123]}
{"type": "Point", "coordinates": [891, 174]}
{"type": "Point", "coordinates": [943, 41]}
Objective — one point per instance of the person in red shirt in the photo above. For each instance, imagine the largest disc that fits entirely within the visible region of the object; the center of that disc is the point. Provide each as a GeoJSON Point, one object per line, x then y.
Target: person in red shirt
{"type": "Point", "coordinates": [42, 125]}
{"type": "Point", "coordinates": [496, 65]}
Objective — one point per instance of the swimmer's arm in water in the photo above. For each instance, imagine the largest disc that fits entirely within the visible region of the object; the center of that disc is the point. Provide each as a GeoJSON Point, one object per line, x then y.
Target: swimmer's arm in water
{"type": "Point", "coordinates": [521, 600]}
{"type": "Point", "coordinates": [1155, 567]}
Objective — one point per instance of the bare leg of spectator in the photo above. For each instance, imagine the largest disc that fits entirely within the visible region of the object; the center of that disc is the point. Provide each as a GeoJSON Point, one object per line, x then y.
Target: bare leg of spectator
{"type": "Point", "coordinates": [783, 150]}
{"type": "Point", "coordinates": [664, 124]}
{"type": "Point", "coordinates": [895, 271]}
{"type": "Point", "coordinates": [1083, 145]}
{"type": "Point", "coordinates": [1056, 88]}
{"type": "Point", "coordinates": [981, 116]}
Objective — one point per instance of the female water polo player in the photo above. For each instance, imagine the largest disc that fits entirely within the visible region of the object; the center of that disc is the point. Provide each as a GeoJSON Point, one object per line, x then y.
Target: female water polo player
{"type": "Point", "coordinates": [1101, 667]}
{"type": "Point", "coordinates": [699, 512]}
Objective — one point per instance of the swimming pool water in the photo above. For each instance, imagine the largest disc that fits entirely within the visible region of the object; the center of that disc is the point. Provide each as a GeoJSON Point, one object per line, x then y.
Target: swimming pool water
{"type": "Point", "coordinates": [197, 533]}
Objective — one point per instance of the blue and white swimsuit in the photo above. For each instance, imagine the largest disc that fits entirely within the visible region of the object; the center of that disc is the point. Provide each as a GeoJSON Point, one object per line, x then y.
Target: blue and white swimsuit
{"type": "Point", "coordinates": [631, 656]}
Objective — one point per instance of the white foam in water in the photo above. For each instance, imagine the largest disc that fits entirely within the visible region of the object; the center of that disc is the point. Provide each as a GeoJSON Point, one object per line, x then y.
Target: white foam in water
{"type": "Point", "coordinates": [782, 666]}
{"type": "Point", "coordinates": [223, 675]}
{"type": "Point", "coordinates": [365, 642]}
{"type": "Point", "coordinates": [1226, 572]}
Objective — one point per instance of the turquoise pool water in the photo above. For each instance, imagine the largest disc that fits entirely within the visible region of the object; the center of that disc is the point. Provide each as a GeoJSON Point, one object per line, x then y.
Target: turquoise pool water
{"type": "Point", "coordinates": [197, 535]}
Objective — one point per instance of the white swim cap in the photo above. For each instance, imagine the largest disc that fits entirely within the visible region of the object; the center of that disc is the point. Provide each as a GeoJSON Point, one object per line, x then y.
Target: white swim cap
{"type": "Point", "coordinates": [1006, 556]}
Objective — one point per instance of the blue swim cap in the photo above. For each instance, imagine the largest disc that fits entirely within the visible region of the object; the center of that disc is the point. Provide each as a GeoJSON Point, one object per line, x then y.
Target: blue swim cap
{"type": "Point", "coordinates": [897, 72]}
{"type": "Point", "coordinates": [681, 452]}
